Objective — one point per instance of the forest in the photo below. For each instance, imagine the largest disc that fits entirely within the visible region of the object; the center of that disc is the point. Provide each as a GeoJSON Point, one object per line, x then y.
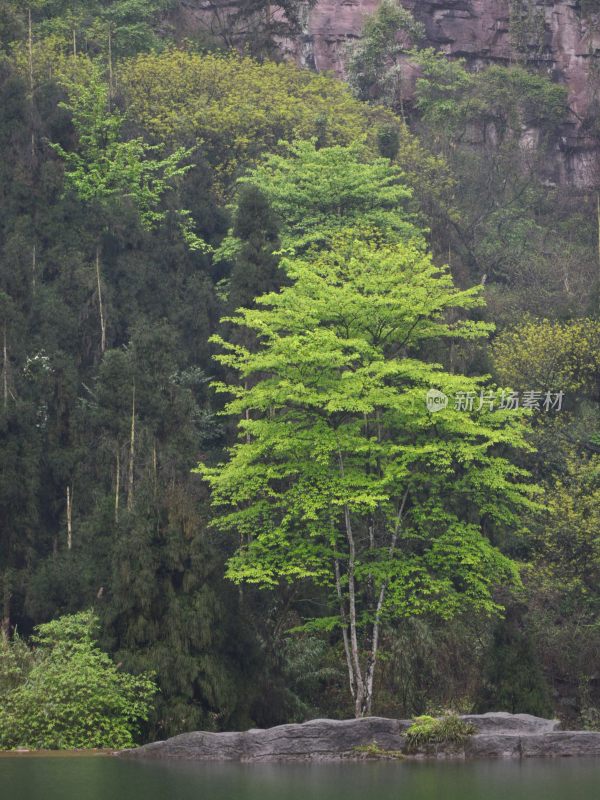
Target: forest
{"type": "Point", "coordinates": [299, 381]}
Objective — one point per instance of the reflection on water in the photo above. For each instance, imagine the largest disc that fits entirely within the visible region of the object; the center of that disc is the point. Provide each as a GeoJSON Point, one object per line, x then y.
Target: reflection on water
{"type": "Point", "coordinates": [107, 778]}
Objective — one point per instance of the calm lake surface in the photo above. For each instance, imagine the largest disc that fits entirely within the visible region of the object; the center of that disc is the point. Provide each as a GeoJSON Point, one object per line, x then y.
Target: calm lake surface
{"type": "Point", "coordinates": [108, 778]}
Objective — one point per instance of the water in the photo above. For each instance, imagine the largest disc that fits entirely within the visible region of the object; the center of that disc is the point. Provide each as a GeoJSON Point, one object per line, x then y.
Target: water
{"type": "Point", "coordinates": [107, 778]}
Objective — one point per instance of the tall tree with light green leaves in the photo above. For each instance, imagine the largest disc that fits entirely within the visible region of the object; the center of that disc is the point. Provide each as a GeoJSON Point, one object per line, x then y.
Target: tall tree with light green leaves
{"type": "Point", "coordinates": [341, 477]}
{"type": "Point", "coordinates": [317, 192]}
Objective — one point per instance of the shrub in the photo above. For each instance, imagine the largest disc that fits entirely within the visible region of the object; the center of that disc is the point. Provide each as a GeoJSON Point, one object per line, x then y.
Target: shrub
{"type": "Point", "coordinates": [73, 696]}
{"type": "Point", "coordinates": [449, 729]}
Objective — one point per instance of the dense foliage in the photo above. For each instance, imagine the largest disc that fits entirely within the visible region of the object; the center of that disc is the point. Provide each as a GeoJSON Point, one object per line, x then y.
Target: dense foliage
{"type": "Point", "coordinates": [151, 186]}
{"type": "Point", "coordinates": [70, 695]}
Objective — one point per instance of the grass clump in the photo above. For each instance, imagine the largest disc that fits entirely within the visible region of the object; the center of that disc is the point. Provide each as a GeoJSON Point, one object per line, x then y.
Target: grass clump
{"type": "Point", "coordinates": [449, 730]}
{"type": "Point", "coordinates": [373, 750]}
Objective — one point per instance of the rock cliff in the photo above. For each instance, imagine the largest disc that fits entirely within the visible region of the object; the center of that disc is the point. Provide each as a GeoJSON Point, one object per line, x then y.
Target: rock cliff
{"type": "Point", "coordinates": [559, 38]}
{"type": "Point", "coordinates": [499, 735]}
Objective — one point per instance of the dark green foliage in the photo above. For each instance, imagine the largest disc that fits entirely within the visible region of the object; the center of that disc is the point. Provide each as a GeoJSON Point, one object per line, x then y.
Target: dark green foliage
{"type": "Point", "coordinates": [133, 25]}
{"type": "Point", "coordinates": [388, 141]}
{"type": "Point", "coordinates": [255, 268]}
{"type": "Point", "coordinates": [513, 679]}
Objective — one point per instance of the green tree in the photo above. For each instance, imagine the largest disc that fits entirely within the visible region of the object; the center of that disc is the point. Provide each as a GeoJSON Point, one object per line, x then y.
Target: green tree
{"type": "Point", "coordinates": [548, 354]}
{"type": "Point", "coordinates": [317, 192]}
{"type": "Point", "coordinates": [562, 580]}
{"type": "Point", "coordinates": [105, 169]}
{"type": "Point", "coordinates": [375, 63]}
{"type": "Point", "coordinates": [341, 476]}
{"type": "Point", "coordinates": [449, 98]}
{"type": "Point", "coordinates": [73, 696]}
{"type": "Point", "coordinates": [496, 128]}
{"type": "Point", "coordinates": [104, 166]}
{"type": "Point", "coordinates": [111, 28]}
{"type": "Point", "coordinates": [238, 108]}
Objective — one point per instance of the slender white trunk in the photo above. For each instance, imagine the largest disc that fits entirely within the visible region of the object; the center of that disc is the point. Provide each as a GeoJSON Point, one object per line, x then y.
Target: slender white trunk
{"type": "Point", "coordinates": [100, 305]}
{"type": "Point", "coordinates": [131, 451]}
{"type": "Point", "coordinates": [30, 49]}
{"type": "Point", "coordinates": [154, 468]}
{"type": "Point", "coordinates": [110, 69]}
{"type": "Point", "coordinates": [4, 369]}
{"type": "Point", "coordinates": [6, 609]}
{"type": "Point", "coordinates": [247, 414]}
{"type": "Point", "coordinates": [372, 661]}
{"type": "Point", "coordinates": [30, 58]}
{"type": "Point", "coordinates": [69, 518]}
{"type": "Point", "coordinates": [117, 483]}
{"type": "Point", "coordinates": [344, 619]}
{"type": "Point", "coordinates": [33, 268]}
{"type": "Point", "coordinates": [354, 649]}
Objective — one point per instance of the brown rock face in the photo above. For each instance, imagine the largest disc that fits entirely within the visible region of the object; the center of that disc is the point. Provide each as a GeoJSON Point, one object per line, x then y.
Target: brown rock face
{"type": "Point", "coordinates": [558, 39]}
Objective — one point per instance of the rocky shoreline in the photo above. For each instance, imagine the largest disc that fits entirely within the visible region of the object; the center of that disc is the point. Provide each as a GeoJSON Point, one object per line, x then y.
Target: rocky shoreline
{"type": "Point", "coordinates": [498, 735]}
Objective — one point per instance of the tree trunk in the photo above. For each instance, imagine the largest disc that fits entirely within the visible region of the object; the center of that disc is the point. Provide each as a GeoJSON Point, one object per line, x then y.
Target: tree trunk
{"type": "Point", "coordinates": [344, 619]}
{"type": "Point", "coordinates": [154, 468]}
{"type": "Point", "coordinates": [69, 518]}
{"type": "Point", "coordinates": [31, 83]}
{"type": "Point", "coordinates": [117, 484]}
{"type": "Point", "coordinates": [30, 50]}
{"type": "Point", "coordinates": [131, 451]}
{"type": "Point", "coordinates": [110, 69]}
{"type": "Point", "coordinates": [6, 608]}
{"type": "Point", "coordinates": [358, 677]}
{"type": "Point", "coordinates": [372, 660]}
{"type": "Point", "coordinates": [5, 370]}
{"type": "Point", "coordinates": [362, 683]}
{"type": "Point", "coordinates": [33, 268]}
{"type": "Point", "coordinates": [100, 305]}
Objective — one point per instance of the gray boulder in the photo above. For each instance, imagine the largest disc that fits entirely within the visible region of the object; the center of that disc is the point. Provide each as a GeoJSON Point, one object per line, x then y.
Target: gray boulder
{"type": "Point", "coordinates": [561, 743]}
{"type": "Point", "coordinates": [499, 735]}
{"type": "Point", "coordinates": [316, 740]}
{"type": "Point", "coordinates": [503, 722]}
{"type": "Point", "coordinates": [494, 745]}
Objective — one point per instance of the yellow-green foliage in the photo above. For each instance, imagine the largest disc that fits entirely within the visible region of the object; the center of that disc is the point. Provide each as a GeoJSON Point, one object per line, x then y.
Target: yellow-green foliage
{"type": "Point", "coordinates": [50, 60]}
{"type": "Point", "coordinates": [568, 545]}
{"type": "Point", "coordinates": [238, 107]}
{"type": "Point", "coordinates": [449, 730]}
{"type": "Point", "coordinates": [544, 354]}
